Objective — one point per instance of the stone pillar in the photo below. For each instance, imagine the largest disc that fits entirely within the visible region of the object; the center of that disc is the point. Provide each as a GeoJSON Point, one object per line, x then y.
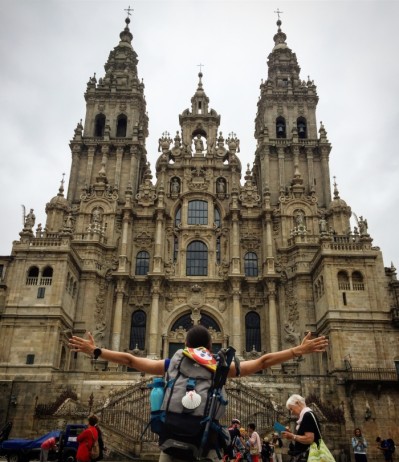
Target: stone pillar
{"type": "Point", "coordinates": [235, 255]}
{"type": "Point", "coordinates": [158, 243]}
{"type": "Point", "coordinates": [281, 169]}
{"type": "Point", "coordinates": [134, 169]}
{"type": "Point", "coordinates": [310, 170]}
{"type": "Point", "coordinates": [89, 166]}
{"type": "Point", "coordinates": [235, 319]}
{"type": "Point", "coordinates": [117, 321]}
{"type": "Point", "coordinates": [326, 179]}
{"type": "Point", "coordinates": [125, 229]}
{"type": "Point", "coordinates": [73, 179]}
{"type": "Point", "coordinates": [273, 324]}
{"type": "Point", "coordinates": [118, 167]}
{"type": "Point", "coordinates": [154, 320]}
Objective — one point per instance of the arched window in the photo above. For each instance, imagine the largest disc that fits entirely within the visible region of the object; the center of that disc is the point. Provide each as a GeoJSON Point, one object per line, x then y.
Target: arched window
{"type": "Point", "coordinates": [280, 128]}
{"type": "Point", "coordinates": [99, 125]}
{"type": "Point", "coordinates": [252, 332]}
{"type": "Point", "coordinates": [33, 276]}
{"type": "Point", "coordinates": [209, 322]}
{"type": "Point", "coordinates": [137, 330]}
{"type": "Point", "coordinates": [184, 322]}
{"type": "Point", "coordinates": [250, 264]}
{"type": "Point", "coordinates": [47, 276]}
{"type": "Point", "coordinates": [357, 281]}
{"type": "Point", "coordinates": [302, 127]}
{"type": "Point", "coordinates": [343, 281]}
{"type": "Point", "coordinates": [217, 218]}
{"type": "Point", "coordinates": [142, 263]}
{"type": "Point", "coordinates": [178, 217]}
{"type": "Point", "coordinates": [197, 213]}
{"type": "Point", "coordinates": [197, 259]}
{"type": "Point", "coordinates": [121, 126]}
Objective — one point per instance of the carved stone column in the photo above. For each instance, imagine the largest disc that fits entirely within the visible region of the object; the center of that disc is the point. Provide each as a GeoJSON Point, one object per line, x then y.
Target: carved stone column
{"type": "Point", "coordinates": [118, 167]}
{"type": "Point", "coordinates": [89, 167]}
{"type": "Point", "coordinates": [154, 320]}
{"type": "Point", "coordinates": [117, 322]}
{"type": "Point", "coordinates": [235, 258]}
{"type": "Point", "coordinates": [158, 243]}
{"type": "Point", "coordinates": [281, 169]}
{"type": "Point", "coordinates": [235, 320]}
{"type": "Point", "coordinates": [273, 325]}
{"type": "Point", "coordinates": [125, 229]}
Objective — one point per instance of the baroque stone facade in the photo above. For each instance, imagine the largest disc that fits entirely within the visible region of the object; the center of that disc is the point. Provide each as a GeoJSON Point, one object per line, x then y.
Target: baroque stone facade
{"type": "Point", "coordinates": [258, 256]}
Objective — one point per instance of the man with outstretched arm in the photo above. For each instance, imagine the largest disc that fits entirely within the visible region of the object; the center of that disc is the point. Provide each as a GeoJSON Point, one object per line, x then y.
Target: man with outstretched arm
{"type": "Point", "coordinates": [157, 366]}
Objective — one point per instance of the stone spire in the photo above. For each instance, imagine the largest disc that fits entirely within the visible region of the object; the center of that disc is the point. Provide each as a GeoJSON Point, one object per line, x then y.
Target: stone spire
{"type": "Point", "coordinates": [199, 102]}
{"type": "Point", "coordinates": [201, 121]}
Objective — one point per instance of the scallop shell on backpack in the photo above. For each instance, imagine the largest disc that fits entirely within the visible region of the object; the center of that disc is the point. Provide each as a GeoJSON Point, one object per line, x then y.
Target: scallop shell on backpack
{"type": "Point", "coordinates": [191, 400]}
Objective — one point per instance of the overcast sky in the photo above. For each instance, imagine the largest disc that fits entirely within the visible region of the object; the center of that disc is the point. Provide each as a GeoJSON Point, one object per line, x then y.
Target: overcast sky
{"type": "Point", "coordinates": [50, 48]}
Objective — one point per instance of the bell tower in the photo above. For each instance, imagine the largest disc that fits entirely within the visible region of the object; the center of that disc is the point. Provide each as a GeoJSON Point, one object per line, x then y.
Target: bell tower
{"type": "Point", "coordinates": [110, 147]}
{"type": "Point", "coordinates": [291, 152]}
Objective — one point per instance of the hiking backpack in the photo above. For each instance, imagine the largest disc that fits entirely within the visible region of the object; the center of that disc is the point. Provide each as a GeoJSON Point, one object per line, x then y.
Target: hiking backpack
{"type": "Point", "coordinates": [188, 421]}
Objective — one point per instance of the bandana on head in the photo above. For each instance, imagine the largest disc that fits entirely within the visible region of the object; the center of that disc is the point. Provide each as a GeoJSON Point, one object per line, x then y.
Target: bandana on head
{"type": "Point", "coordinates": [201, 356]}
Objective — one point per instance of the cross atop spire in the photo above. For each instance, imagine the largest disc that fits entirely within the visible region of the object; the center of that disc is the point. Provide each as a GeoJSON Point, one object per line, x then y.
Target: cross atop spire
{"type": "Point", "coordinates": [200, 66]}
{"type": "Point", "coordinates": [278, 12]}
{"type": "Point", "coordinates": [128, 10]}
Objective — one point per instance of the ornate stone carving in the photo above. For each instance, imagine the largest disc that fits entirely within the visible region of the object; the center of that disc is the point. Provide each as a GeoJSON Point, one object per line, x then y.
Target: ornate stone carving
{"type": "Point", "coordinates": [197, 298]}
{"type": "Point", "coordinates": [164, 142]}
{"type": "Point", "coordinates": [250, 242]}
{"type": "Point", "coordinates": [99, 313]}
{"type": "Point", "coordinates": [147, 193]}
{"type": "Point", "coordinates": [144, 240]}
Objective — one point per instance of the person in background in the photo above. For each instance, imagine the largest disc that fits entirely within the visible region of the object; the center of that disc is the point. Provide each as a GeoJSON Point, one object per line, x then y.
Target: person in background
{"type": "Point", "coordinates": [277, 446]}
{"type": "Point", "coordinates": [387, 447]}
{"type": "Point", "coordinates": [86, 440]}
{"type": "Point", "coordinates": [101, 444]}
{"type": "Point", "coordinates": [306, 429]}
{"type": "Point", "coordinates": [255, 447]}
{"type": "Point", "coordinates": [234, 431]}
{"type": "Point", "coordinates": [50, 444]}
{"type": "Point", "coordinates": [359, 445]}
{"type": "Point", "coordinates": [267, 450]}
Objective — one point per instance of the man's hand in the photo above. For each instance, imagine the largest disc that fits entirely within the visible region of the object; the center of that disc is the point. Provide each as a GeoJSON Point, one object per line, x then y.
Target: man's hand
{"type": "Point", "coordinates": [79, 344]}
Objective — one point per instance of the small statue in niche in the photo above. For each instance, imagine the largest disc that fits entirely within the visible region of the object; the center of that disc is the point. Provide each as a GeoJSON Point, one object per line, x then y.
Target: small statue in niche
{"type": "Point", "coordinates": [175, 186]}
{"type": "Point", "coordinates": [221, 186]}
{"type": "Point", "coordinates": [323, 225]}
{"type": "Point", "coordinates": [299, 218]}
{"type": "Point", "coordinates": [96, 215]}
{"type": "Point", "coordinates": [199, 144]}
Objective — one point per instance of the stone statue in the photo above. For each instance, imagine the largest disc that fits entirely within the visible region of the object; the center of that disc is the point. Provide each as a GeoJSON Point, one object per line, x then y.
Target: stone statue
{"type": "Point", "coordinates": [299, 218]}
{"type": "Point", "coordinates": [199, 144]}
{"type": "Point", "coordinates": [175, 186]}
{"type": "Point", "coordinates": [30, 220]}
{"type": "Point", "coordinates": [96, 216]}
{"type": "Point", "coordinates": [69, 221]}
{"type": "Point", "coordinates": [363, 226]}
{"type": "Point", "coordinates": [323, 225]}
{"type": "Point", "coordinates": [221, 186]}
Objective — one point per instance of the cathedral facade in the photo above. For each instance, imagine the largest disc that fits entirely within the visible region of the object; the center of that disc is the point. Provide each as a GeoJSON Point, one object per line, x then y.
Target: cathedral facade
{"type": "Point", "coordinates": [259, 255]}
